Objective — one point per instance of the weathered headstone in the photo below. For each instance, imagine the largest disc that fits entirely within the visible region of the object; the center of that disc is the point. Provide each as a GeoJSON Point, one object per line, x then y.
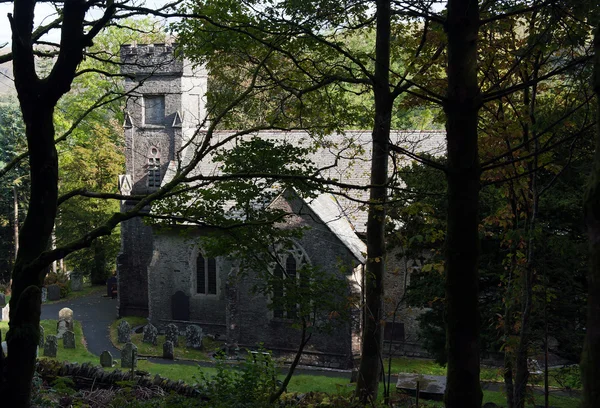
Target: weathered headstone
{"type": "Point", "coordinates": [4, 348]}
{"type": "Point", "coordinates": [44, 295]}
{"type": "Point", "coordinates": [193, 336]}
{"type": "Point", "coordinates": [111, 287]}
{"type": "Point", "coordinates": [51, 346]}
{"type": "Point", "coordinates": [129, 356]}
{"type": "Point", "coordinates": [69, 340]}
{"type": "Point", "coordinates": [2, 299]}
{"type": "Point", "coordinates": [41, 342]}
{"type": "Point", "coordinates": [172, 334]}
{"type": "Point", "coordinates": [106, 359]}
{"type": "Point", "coordinates": [53, 292]}
{"type": "Point", "coordinates": [6, 313]}
{"type": "Point", "coordinates": [168, 350]}
{"type": "Point", "coordinates": [61, 329]}
{"type": "Point", "coordinates": [76, 281]}
{"type": "Point", "coordinates": [66, 314]}
{"type": "Point", "coordinates": [150, 334]}
{"type": "Point", "coordinates": [180, 306]}
{"type": "Point", "coordinates": [124, 332]}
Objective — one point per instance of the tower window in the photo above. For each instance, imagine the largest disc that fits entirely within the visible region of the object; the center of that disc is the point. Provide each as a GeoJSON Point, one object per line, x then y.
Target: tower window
{"type": "Point", "coordinates": [154, 109]}
{"type": "Point", "coordinates": [154, 168]}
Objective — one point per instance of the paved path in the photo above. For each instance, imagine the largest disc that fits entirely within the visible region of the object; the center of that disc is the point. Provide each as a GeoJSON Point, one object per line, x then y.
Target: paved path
{"type": "Point", "coordinates": [96, 313]}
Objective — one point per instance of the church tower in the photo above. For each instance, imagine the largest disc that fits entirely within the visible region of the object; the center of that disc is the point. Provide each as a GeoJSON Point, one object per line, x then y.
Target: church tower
{"type": "Point", "coordinates": [165, 106]}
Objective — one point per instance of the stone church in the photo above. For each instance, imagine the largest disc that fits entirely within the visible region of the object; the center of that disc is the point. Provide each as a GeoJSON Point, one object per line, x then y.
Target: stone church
{"type": "Point", "coordinates": [165, 276]}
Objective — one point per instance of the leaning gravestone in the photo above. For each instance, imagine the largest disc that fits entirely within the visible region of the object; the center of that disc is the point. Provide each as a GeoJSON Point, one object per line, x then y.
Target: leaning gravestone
{"type": "Point", "coordinates": [172, 334]}
{"type": "Point", "coordinates": [76, 281]}
{"type": "Point", "coordinates": [41, 343]}
{"type": "Point", "coordinates": [44, 295]}
{"type": "Point", "coordinates": [106, 359]}
{"type": "Point", "coordinates": [51, 346]}
{"type": "Point", "coordinates": [2, 299]}
{"type": "Point", "coordinates": [66, 314]}
{"type": "Point", "coordinates": [168, 350]}
{"type": "Point", "coordinates": [124, 332]}
{"type": "Point", "coordinates": [69, 340]}
{"type": "Point", "coordinates": [61, 329]}
{"type": "Point", "coordinates": [193, 337]}
{"type": "Point", "coordinates": [150, 334]}
{"type": "Point", "coordinates": [129, 356]}
{"type": "Point", "coordinates": [53, 292]}
{"type": "Point", "coordinates": [180, 306]}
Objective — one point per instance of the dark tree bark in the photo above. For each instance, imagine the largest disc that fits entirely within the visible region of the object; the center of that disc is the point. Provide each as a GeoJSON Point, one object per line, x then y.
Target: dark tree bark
{"type": "Point", "coordinates": [462, 238]}
{"type": "Point", "coordinates": [590, 360]}
{"type": "Point", "coordinates": [372, 339]}
{"type": "Point", "coordinates": [37, 98]}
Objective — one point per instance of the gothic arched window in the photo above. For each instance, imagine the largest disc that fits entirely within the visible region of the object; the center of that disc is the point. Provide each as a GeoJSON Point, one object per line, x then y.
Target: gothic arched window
{"type": "Point", "coordinates": [206, 275]}
{"type": "Point", "coordinates": [154, 167]}
{"type": "Point", "coordinates": [287, 278]}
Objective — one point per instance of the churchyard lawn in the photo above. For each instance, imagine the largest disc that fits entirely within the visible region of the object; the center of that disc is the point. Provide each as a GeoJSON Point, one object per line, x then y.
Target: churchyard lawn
{"type": "Point", "coordinates": [148, 350]}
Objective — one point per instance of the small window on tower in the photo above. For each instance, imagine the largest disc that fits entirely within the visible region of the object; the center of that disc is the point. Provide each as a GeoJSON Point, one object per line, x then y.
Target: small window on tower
{"type": "Point", "coordinates": [154, 109]}
{"type": "Point", "coordinates": [154, 168]}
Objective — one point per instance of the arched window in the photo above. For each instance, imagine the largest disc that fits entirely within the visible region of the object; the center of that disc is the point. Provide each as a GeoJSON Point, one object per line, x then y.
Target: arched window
{"type": "Point", "coordinates": [206, 275]}
{"type": "Point", "coordinates": [285, 274]}
{"type": "Point", "coordinates": [154, 167]}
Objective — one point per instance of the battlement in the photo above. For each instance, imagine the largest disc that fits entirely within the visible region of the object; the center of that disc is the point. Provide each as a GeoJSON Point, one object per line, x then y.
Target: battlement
{"type": "Point", "coordinates": [150, 59]}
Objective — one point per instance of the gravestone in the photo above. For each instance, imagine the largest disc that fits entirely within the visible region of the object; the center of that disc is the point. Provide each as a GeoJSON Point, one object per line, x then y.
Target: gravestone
{"type": "Point", "coordinates": [180, 306]}
{"type": "Point", "coordinates": [61, 329]}
{"type": "Point", "coordinates": [6, 313]}
{"type": "Point", "coordinates": [150, 334]}
{"type": "Point", "coordinates": [51, 346]}
{"type": "Point", "coordinates": [76, 281]}
{"type": "Point", "coordinates": [430, 386]}
{"type": "Point", "coordinates": [41, 342]}
{"type": "Point", "coordinates": [172, 334]}
{"type": "Point", "coordinates": [69, 340]}
{"type": "Point", "coordinates": [193, 337]}
{"type": "Point", "coordinates": [124, 332]}
{"type": "Point", "coordinates": [168, 350]}
{"type": "Point", "coordinates": [4, 348]}
{"type": "Point", "coordinates": [44, 295]}
{"type": "Point", "coordinates": [111, 287]}
{"type": "Point", "coordinates": [2, 299]}
{"type": "Point", "coordinates": [129, 356]}
{"type": "Point", "coordinates": [106, 359]}
{"type": "Point", "coordinates": [66, 315]}
{"type": "Point", "coordinates": [53, 292]}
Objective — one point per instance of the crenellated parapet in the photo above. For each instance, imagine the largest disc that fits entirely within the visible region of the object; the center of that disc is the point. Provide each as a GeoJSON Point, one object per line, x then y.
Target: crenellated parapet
{"type": "Point", "coordinates": [150, 59]}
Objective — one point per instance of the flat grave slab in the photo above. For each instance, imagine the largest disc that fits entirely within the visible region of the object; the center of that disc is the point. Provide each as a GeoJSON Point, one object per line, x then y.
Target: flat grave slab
{"type": "Point", "coordinates": [431, 387]}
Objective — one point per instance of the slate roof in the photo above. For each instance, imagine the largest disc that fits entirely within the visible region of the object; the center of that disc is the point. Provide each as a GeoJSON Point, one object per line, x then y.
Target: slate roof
{"type": "Point", "coordinates": [342, 157]}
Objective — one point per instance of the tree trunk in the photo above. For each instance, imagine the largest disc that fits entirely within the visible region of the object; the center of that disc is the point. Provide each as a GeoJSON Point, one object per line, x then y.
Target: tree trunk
{"type": "Point", "coordinates": [372, 339]}
{"type": "Point", "coordinates": [462, 238]}
{"type": "Point", "coordinates": [590, 360]}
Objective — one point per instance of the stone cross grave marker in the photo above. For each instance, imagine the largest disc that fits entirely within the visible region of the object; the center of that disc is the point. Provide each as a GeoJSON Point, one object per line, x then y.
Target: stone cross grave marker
{"type": "Point", "coordinates": [69, 340]}
{"type": "Point", "coordinates": [124, 332]}
{"type": "Point", "coordinates": [51, 346]}
{"type": "Point", "coordinates": [53, 292]}
{"type": "Point", "coordinates": [106, 359]}
{"type": "Point", "coordinates": [180, 306]}
{"type": "Point", "coordinates": [168, 350]}
{"type": "Point", "coordinates": [150, 334]}
{"type": "Point", "coordinates": [129, 356]}
{"type": "Point", "coordinates": [172, 334]}
{"type": "Point", "coordinates": [193, 337]}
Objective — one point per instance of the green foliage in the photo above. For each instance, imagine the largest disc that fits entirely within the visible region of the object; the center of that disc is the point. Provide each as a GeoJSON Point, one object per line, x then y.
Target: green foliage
{"type": "Point", "coordinates": [246, 386]}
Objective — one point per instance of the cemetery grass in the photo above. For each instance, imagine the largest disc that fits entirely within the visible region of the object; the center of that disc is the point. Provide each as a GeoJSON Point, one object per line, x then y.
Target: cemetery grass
{"type": "Point", "coordinates": [86, 291]}
{"type": "Point", "coordinates": [148, 350]}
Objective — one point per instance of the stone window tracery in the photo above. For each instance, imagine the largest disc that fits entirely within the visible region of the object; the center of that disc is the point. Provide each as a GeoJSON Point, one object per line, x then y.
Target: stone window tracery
{"type": "Point", "coordinates": [287, 273]}
{"type": "Point", "coordinates": [154, 168]}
